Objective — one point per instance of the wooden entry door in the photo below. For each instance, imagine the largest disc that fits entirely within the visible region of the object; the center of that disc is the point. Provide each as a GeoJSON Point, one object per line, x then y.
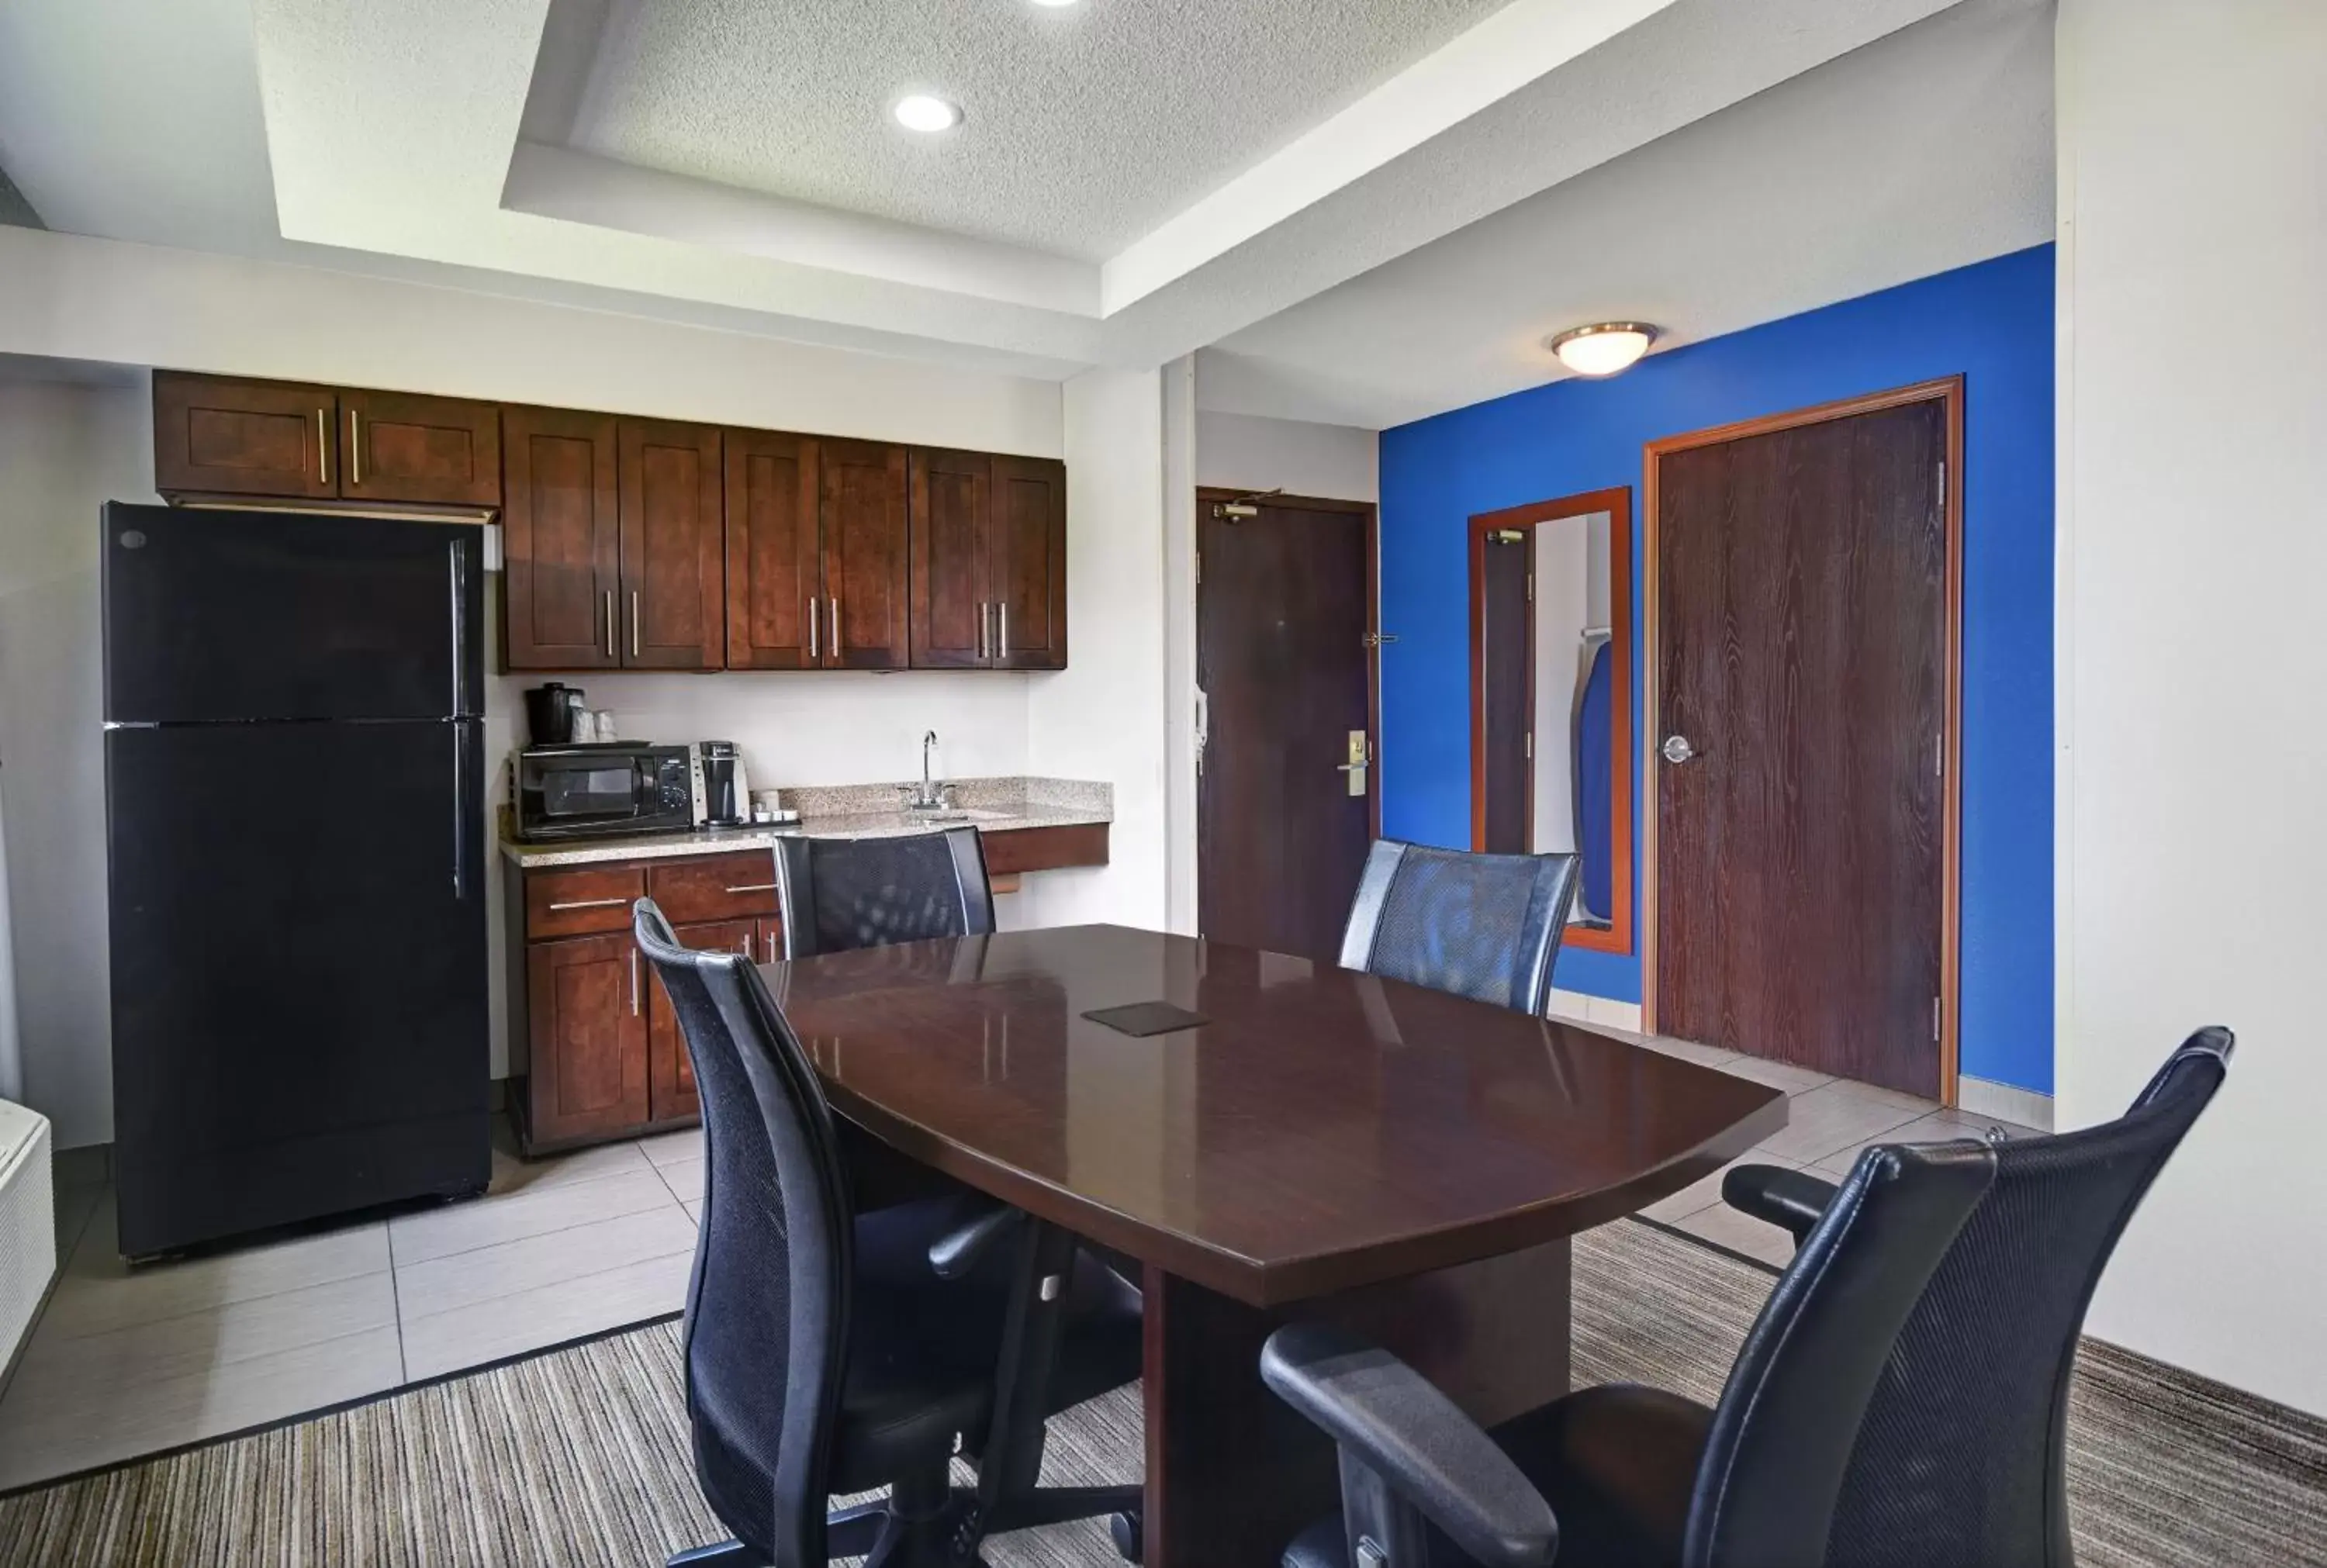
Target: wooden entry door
{"type": "Point", "coordinates": [1804, 647]}
{"type": "Point", "coordinates": [1283, 614]}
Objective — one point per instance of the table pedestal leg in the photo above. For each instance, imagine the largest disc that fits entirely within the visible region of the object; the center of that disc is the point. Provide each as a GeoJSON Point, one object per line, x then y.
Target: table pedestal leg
{"type": "Point", "coordinates": [1233, 1475]}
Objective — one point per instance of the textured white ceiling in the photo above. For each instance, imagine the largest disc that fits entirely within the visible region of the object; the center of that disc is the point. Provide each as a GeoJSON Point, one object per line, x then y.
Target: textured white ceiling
{"type": "Point", "coordinates": [1929, 149]}
{"type": "Point", "coordinates": [1086, 126]}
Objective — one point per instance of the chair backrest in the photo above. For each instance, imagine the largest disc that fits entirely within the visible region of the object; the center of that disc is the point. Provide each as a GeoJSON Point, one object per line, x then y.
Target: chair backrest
{"type": "Point", "coordinates": [1903, 1398]}
{"type": "Point", "coordinates": [840, 893]}
{"type": "Point", "coordinates": [1481, 926]}
{"type": "Point", "coordinates": [767, 1307]}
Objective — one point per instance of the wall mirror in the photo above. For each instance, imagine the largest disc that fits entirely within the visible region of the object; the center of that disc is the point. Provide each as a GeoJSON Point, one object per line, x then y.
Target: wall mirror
{"type": "Point", "coordinates": [1551, 697]}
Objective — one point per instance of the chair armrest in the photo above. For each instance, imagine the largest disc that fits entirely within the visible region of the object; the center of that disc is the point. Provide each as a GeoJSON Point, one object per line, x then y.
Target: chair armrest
{"type": "Point", "coordinates": [1791, 1200]}
{"type": "Point", "coordinates": [959, 1250]}
{"type": "Point", "coordinates": [1388, 1417]}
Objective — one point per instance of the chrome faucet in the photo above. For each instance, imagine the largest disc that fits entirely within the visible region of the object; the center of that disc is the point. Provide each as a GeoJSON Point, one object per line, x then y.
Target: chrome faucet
{"type": "Point", "coordinates": [930, 794]}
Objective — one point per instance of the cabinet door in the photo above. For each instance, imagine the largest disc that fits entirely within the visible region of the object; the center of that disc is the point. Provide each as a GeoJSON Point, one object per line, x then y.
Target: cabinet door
{"type": "Point", "coordinates": [863, 517]}
{"type": "Point", "coordinates": [247, 438]}
{"type": "Point", "coordinates": [397, 446]}
{"type": "Point", "coordinates": [1025, 571]}
{"type": "Point", "coordinates": [772, 558]}
{"type": "Point", "coordinates": [585, 1015]}
{"type": "Point", "coordinates": [952, 614]}
{"type": "Point", "coordinates": [771, 939]}
{"type": "Point", "coordinates": [673, 584]}
{"type": "Point", "coordinates": [671, 1071]}
{"type": "Point", "coordinates": [561, 540]}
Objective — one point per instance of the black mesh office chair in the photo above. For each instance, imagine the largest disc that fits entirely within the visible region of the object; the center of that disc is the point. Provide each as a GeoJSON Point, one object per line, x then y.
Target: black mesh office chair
{"type": "Point", "coordinates": [838, 893]}
{"type": "Point", "coordinates": [1901, 1400]}
{"type": "Point", "coordinates": [1481, 926]}
{"type": "Point", "coordinates": [828, 1352]}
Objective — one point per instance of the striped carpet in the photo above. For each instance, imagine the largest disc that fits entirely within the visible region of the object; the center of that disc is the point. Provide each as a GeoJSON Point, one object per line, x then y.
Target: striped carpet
{"type": "Point", "coordinates": [580, 1456]}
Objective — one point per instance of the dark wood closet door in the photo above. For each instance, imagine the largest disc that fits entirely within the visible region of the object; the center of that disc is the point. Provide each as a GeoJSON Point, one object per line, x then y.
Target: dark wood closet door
{"type": "Point", "coordinates": [1801, 670]}
{"type": "Point", "coordinates": [1025, 571]}
{"type": "Point", "coordinates": [952, 618]}
{"type": "Point", "coordinates": [252, 438]}
{"type": "Point", "coordinates": [561, 538]}
{"type": "Point", "coordinates": [1506, 648]}
{"type": "Point", "coordinates": [864, 556]}
{"type": "Point", "coordinates": [773, 567]}
{"type": "Point", "coordinates": [674, 589]}
{"type": "Point", "coordinates": [1281, 622]}
{"type": "Point", "coordinates": [400, 447]}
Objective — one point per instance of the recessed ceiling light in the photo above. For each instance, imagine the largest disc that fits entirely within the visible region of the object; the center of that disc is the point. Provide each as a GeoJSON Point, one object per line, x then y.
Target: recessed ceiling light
{"type": "Point", "coordinates": [1054, 5]}
{"type": "Point", "coordinates": [920, 112]}
{"type": "Point", "coordinates": [1602, 349]}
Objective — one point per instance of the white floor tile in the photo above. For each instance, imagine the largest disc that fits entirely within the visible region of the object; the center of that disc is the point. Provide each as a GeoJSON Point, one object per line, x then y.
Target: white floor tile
{"type": "Point", "coordinates": [514, 1267]}
{"type": "Point", "coordinates": [513, 1175]}
{"type": "Point", "coordinates": [62, 1369]}
{"type": "Point", "coordinates": [1703, 1194]}
{"type": "Point", "coordinates": [1829, 1118]}
{"type": "Point", "coordinates": [99, 1293]}
{"type": "Point", "coordinates": [1936, 1127]}
{"type": "Point", "coordinates": [685, 1180]}
{"type": "Point", "coordinates": [493, 1219]}
{"type": "Point", "coordinates": [509, 1325]}
{"type": "Point", "coordinates": [1689, 1049]}
{"type": "Point", "coordinates": [672, 1148]}
{"type": "Point", "coordinates": [43, 1439]}
{"type": "Point", "coordinates": [1725, 1226]}
{"type": "Point", "coordinates": [1778, 1075]}
{"type": "Point", "coordinates": [694, 1208]}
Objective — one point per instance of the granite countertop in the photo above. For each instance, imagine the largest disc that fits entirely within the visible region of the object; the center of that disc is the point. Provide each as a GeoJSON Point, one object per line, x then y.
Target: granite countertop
{"type": "Point", "coordinates": [851, 811]}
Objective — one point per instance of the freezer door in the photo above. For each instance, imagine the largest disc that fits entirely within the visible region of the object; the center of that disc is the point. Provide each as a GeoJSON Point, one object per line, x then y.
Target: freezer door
{"type": "Point", "coordinates": [226, 615]}
{"type": "Point", "coordinates": [298, 972]}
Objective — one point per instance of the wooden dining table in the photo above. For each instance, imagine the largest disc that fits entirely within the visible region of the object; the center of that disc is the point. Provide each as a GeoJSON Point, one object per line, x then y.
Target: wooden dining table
{"type": "Point", "coordinates": [1316, 1142]}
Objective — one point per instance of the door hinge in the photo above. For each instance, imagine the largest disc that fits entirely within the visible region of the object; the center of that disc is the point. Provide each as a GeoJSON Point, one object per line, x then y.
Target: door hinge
{"type": "Point", "coordinates": [1935, 1021]}
{"type": "Point", "coordinates": [1200, 567]}
{"type": "Point", "coordinates": [1376, 638]}
{"type": "Point", "coordinates": [1940, 755]}
{"type": "Point", "coordinates": [1943, 487]}
{"type": "Point", "coordinates": [1530, 587]}
{"type": "Point", "coordinates": [1527, 746]}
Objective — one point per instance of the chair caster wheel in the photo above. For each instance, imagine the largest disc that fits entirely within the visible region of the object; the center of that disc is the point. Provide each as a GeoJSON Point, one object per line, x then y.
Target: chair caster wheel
{"type": "Point", "coordinates": [1126, 1531]}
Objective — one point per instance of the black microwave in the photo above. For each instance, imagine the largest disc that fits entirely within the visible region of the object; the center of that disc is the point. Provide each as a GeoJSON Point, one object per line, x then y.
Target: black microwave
{"type": "Point", "coordinates": [581, 791]}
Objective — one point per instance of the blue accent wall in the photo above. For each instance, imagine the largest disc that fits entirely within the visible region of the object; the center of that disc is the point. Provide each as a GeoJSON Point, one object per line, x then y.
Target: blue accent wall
{"type": "Point", "coordinates": [1992, 323]}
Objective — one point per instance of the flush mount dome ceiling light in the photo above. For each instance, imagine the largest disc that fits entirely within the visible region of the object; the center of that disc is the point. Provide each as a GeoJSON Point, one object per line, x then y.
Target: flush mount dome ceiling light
{"type": "Point", "coordinates": [926, 113]}
{"type": "Point", "coordinates": [1602, 349]}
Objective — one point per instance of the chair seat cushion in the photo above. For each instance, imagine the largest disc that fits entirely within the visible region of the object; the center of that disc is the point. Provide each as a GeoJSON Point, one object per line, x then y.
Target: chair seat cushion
{"type": "Point", "coordinates": [921, 1349]}
{"type": "Point", "coordinates": [1617, 1464]}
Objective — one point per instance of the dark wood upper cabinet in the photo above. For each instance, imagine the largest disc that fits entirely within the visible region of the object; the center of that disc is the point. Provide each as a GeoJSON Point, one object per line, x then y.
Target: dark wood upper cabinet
{"type": "Point", "coordinates": [1025, 563]}
{"type": "Point", "coordinates": [561, 539]}
{"type": "Point", "coordinates": [989, 562]}
{"type": "Point", "coordinates": [674, 603]}
{"type": "Point", "coordinates": [862, 512]}
{"type": "Point", "coordinates": [952, 504]}
{"type": "Point", "coordinates": [774, 567]}
{"type": "Point", "coordinates": [398, 446]}
{"type": "Point", "coordinates": [217, 436]}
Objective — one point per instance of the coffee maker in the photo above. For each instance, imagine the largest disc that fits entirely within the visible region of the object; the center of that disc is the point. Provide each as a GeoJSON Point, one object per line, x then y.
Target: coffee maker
{"type": "Point", "coordinates": [551, 712]}
{"type": "Point", "coordinates": [723, 796]}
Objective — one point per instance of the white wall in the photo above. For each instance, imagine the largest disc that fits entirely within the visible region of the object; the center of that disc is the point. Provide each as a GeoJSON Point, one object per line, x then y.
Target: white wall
{"type": "Point", "coordinates": [2192, 778]}
{"type": "Point", "coordinates": [1245, 451]}
{"type": "Point", "coordinates": [1102, 716]}
{"type": "Point", "coordinates": [65, 450]}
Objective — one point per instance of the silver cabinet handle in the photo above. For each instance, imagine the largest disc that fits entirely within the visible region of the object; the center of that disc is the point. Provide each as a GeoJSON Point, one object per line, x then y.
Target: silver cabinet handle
{"type": "Point", "coordinates": [746, 944]}
{"type": "Point", "coordinates": [588, 904]}
{"type": "Point", "coordinates": [610, 623]}
{"type": "Point", "coordinates": [754, 888]}
{"type": "Point", "coordinates": [634, 623]}
{"type": "Point", "coordinates": [771, 946]}
{"type": "Point", "coordinates": [812, 655]}
{"type": "Point", "coordinates": [355, 448]}
{"type": "Point", "coordinates": [834, 603]}
{"type": "Point", "coordinates": [322, 447]}
{"type": "Point", "coordinates": [1003, 606]}
{"type": "Point", "coordinates": [634, 982]}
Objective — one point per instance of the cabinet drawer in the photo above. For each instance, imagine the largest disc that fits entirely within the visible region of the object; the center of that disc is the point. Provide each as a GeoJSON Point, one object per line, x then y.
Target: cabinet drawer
{"type": "Point", "coordinates": [1017, 849]}
{"type": "Point", "coordinates": [722, 887]}
{"type": "Point", "coordinates": [572, 903]}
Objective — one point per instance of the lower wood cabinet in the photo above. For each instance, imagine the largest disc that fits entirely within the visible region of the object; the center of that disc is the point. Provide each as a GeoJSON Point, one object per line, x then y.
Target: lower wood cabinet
{"type": "Point", "coordinates": [596, 1052]}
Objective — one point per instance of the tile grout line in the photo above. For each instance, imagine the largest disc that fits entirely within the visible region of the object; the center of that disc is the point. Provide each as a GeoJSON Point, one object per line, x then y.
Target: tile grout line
{"type": "Point", "coordinates": [395, 1300]}
{"type": "Point", "coordinates": [554, 1284]}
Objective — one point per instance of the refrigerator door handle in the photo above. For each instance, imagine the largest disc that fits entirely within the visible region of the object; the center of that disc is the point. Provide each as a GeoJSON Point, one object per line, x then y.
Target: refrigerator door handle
{"type": "Point", "coordinates": [455, 572]}
{"type": "Point", "coordinates": [459, 823]}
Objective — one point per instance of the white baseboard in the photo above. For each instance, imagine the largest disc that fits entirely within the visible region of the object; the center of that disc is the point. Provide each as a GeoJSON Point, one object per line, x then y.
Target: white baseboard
{"type": "Point", "coordinates": [1984, 1098]}
{"type": "Point", "coordinates": [1603, 1010]}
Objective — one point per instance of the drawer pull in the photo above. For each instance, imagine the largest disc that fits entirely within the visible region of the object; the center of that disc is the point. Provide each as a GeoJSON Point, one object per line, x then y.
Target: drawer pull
{"type": "Point", "coordinates": [589, 904]}
{"type": "Point", "coordinates": [754, 888]}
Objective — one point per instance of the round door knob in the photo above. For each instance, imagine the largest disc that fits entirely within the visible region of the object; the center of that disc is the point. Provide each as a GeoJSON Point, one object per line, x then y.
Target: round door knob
{"type": "Point", "coordinates": [1676, 749]}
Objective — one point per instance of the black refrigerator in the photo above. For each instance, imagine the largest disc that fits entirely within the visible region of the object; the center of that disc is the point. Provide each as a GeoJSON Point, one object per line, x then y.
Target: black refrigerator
{"type": "Point", "coordinates": [294, 828]}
